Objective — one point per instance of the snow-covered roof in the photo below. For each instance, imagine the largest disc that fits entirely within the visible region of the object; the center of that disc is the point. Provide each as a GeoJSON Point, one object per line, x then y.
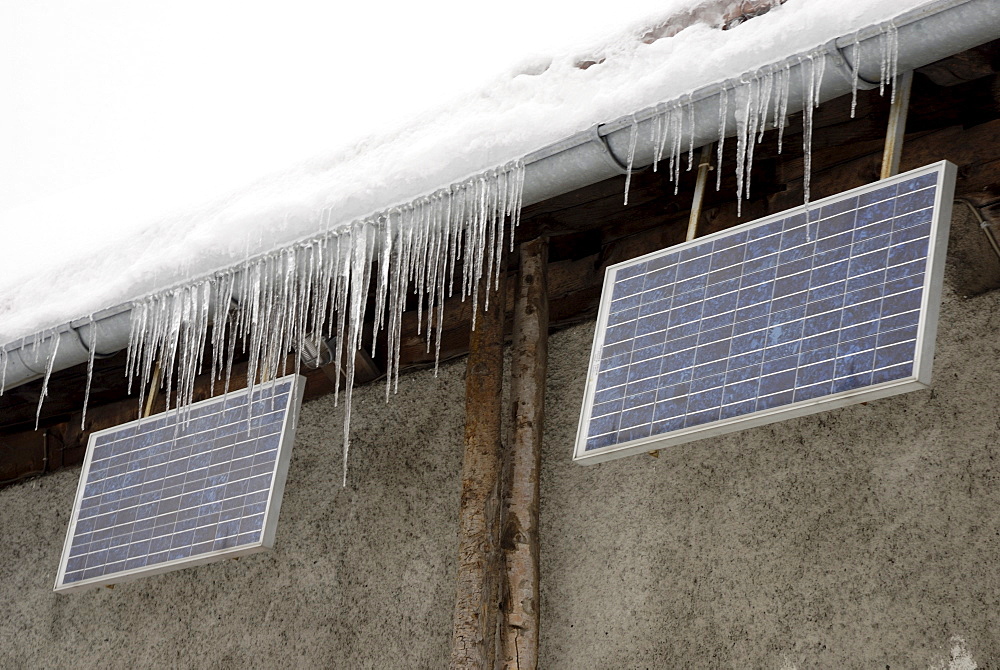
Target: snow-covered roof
{"type": "Point", "coordinates": [533, 105]}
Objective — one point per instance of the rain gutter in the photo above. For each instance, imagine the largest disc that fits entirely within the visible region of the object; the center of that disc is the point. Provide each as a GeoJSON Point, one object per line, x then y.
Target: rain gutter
{"type": "Point", "coordinates": [927, 34]}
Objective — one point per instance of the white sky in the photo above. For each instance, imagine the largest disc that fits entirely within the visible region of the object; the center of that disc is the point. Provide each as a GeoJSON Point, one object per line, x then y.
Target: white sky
{"type": "Point", "coordinates": [135, 108]}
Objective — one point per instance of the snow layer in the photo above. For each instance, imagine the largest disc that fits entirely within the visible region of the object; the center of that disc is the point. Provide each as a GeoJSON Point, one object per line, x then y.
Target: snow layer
{"type": "Point", "coordinates": [533, 105]}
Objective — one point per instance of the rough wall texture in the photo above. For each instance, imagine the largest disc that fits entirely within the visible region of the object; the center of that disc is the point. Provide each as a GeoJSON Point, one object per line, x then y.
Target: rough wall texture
{"type": "Point", "coordinates": [867, 537]}
{"type": "Point", "coordinates": [361, 577]}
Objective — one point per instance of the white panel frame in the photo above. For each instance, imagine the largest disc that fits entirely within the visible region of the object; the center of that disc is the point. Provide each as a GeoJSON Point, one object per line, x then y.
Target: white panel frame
{"type": "Point", "coordinates": [926, 330]}
{"type": "Point", "coordinates": [271, 511]}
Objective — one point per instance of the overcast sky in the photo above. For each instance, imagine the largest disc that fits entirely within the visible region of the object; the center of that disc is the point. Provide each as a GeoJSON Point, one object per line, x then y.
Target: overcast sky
{"type": "Point", "coordinates": [131, 108]}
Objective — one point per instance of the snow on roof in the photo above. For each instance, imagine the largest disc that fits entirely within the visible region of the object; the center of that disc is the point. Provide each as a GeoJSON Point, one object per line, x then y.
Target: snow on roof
{"type": "Point", "coordinates": [540, 102]}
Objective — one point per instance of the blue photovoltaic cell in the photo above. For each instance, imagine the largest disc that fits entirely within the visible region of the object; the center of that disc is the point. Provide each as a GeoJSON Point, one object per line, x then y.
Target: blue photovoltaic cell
{"type": "Point", "coordinates": [178, 485]}
{"type": "Point", "coordinates": [765, 315]}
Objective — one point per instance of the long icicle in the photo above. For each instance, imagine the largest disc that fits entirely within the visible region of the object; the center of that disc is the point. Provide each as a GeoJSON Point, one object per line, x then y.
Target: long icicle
{"type": "Point", "coordinates": [91, 352]}
{"type": "Point", "coordinates": [633, 136]}
{"type": "Point", "coordinates": [48, 373]}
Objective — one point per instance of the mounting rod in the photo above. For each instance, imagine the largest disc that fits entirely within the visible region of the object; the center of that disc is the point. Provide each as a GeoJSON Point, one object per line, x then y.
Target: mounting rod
{"type": "Point", "coordinates": [704, 165]}
{"type": "Point", "coordinates": [897, 124]}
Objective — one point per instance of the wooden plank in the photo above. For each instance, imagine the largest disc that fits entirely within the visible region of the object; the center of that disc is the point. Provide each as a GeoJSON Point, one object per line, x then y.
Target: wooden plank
{"type": "Point", "coordinates": [25, 454]}
{"type": "Point", "coordinates": [474, 637]}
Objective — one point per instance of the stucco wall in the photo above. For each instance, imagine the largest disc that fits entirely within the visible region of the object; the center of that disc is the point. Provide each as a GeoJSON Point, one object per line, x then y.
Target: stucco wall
{"type": "Point", "coordinates": [865, 537]}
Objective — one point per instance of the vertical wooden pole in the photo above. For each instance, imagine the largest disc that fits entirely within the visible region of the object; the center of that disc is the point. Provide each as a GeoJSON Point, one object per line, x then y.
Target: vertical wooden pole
{"type": "Point", "coordinates": [897, 124]}
{"type": "Point", "coordinates": [704, 165]}
{"type": "Point", "coordinates": [474, 638]}
{"type": "Point", "coordinates": [519, 629]}
{"type": "Point", "coordinates": [154, 390]}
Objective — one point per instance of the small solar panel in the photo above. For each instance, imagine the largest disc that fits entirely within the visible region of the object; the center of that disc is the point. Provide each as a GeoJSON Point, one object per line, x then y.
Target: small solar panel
{"type": "Point", "coordinates": [813, 308]}
{"type": "Point", "coordinates": [182, 488]}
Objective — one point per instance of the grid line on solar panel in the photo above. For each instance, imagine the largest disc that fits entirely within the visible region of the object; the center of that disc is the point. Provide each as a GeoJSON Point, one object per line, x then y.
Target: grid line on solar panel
{"type": "Point", "coordinates": [788, 310]}
{"type": "Point", "coordinates": [178, 485]}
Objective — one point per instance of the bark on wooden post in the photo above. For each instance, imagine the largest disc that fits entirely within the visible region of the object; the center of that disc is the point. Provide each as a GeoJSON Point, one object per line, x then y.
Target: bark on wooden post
{"type": "Point", "coordinates": [474, 639]}
{"type": "Point", "coordinates": [519, 629]}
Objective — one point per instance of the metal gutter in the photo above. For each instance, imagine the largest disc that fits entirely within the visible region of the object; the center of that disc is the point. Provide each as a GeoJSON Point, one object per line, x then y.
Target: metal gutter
{"type": "Point", "coordinates": [927, 34]}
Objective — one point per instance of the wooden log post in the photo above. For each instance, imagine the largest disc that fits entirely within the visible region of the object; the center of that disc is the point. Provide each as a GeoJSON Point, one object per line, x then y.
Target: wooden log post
{"type": "Point", "coordinates": [474, 637]}
{"type": "Point", "coordinates": [519, 541]}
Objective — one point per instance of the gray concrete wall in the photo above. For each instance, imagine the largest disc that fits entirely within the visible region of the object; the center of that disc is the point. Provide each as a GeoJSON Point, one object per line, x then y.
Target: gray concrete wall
{"type": "Point", "coordinates": [866, 537]}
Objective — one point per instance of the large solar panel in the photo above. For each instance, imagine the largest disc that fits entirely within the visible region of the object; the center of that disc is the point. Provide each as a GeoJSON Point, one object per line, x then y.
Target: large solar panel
{"type": "Point", "coordinates": [813, 308]}
{"type": "Point", "coordinates": [182, 488]}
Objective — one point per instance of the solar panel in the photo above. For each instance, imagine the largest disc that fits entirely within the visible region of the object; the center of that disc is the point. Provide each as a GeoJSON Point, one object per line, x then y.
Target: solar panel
{"type": "Point", "coordinates": [813, 308]}
{"type": "Point", "coordinates": [181, 488]}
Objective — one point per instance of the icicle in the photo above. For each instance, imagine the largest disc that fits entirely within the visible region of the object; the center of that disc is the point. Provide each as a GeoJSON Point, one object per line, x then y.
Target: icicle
{"type": "Point", "coordinates": [447, 270]}
{"type": "Point", "coordinates": [892, 37]}
{"type": "Point", "coordinates": [491, 242]}
{"type": "Point", "coordinates": [517, 197]}
{"type": "Point", "coordinates": [723, 115]}
{"type": "Point", "coordinates": [752, 98]}
{"type": "Point", "coordinates": [753, 121]}
{"type": "Point", "coordinates": [855, 73]}
{"type": "Point", "coordinates": [690, 114]}
{"type": "Point", "coordinates": [455, 235]}
{"type": "Point", "coordinates": [359, 274]}
{"type": "Point", "coordinates": [499, 215]}
{"type": "Point", "coordinates": [766, 90]}
{"type": "Point", "coordinates": [781, 104]}
{"type": "Point", "coordinates": [48, 373]}
{"type": "Point", "coordinates": [677, 154]}
{"type": "Point", "coordinates": [883, 61]}
{"type": "Point", "coordinates": [478, 243]}
{"type": "Point", "coordinates": [3, 368]}
{"type": "Point", "coordinates": [807, 127]}
{"type": "Point", "coordinates": [889, 61]}
{"type": "Point", "coordinates": [670, 141]}
{"type": "Point", "coordinates": [811, 97]}
{"type": "Point", "coordinates": [91, 352]}
{"type": "Point", "coordinates": [633, 136]}
{"type": "Point", "coordinates": [395, 313]}
{"type": "Point", "coordinates": [744, 100]}
{"type": "Point", "coordinates": [656, 135]}
{"type": "Point", "coordinates": [498, 224]}
{"type": "Point", "coordinates": [132, 348]}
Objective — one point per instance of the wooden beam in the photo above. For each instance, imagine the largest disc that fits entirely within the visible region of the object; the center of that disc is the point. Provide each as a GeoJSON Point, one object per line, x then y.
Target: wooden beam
{"type": "Point", "coordinates": [365, 369]}
{"type": "Point", "coordinates": [474, 638]}
{"type": "Point", "coordinates": [519, 629]}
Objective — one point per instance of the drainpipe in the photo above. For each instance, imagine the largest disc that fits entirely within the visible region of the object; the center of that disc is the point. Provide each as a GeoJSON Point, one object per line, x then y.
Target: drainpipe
{"type": "Point", "coordinates": [927, 34]}
{"type": "Point", "coordinates": [984, 225]}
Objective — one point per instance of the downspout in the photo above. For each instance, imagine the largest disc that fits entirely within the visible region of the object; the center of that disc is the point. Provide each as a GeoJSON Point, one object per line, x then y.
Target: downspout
{"type": "Point", "coordinates": [927, 34]}
{"type": "Point", "coordinates": [984, 225]}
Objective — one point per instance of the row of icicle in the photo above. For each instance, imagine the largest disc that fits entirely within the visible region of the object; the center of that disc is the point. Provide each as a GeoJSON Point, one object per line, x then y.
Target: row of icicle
{"type": "Point", "coordinates": [759, 103]}
{"type": "Point", "coordinates": [317, 289]}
